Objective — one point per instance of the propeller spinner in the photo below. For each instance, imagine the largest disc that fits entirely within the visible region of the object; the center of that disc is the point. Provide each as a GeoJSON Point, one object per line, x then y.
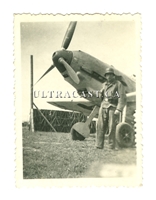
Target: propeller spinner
{"type": "Point", "coordinates": [62, 59]}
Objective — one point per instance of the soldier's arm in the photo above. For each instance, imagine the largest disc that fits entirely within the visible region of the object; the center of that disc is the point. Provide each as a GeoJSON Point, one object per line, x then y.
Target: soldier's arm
{"type": "Point", "coordinates": [122, 97]}
{"type": "Point", "coordinates": [101, 92]}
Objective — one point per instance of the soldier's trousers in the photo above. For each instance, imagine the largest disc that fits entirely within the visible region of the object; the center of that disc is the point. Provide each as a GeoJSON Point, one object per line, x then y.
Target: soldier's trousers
{"type": "Point", "coordinates": [106, 122]}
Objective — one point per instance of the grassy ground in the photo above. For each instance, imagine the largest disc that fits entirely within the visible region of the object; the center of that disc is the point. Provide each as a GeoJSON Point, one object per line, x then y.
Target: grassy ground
{"type": "Point", "coordinates": [55, 155]}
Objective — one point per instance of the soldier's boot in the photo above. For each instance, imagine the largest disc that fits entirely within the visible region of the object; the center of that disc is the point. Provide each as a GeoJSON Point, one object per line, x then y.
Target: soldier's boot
{"type": "Point", "coordinates": [116, 146]}
{"type": "Point", "coordinates": [111, 143]}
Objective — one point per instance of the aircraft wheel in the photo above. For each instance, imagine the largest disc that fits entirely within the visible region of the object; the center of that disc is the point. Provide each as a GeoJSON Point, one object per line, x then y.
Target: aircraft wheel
{"type": "Point", "coordinates": [124, 135]}
{"type": "Point", "coordinates": [75, 135]}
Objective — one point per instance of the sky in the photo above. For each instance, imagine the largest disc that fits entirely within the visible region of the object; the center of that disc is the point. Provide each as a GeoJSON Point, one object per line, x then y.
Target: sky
{"type": "Point", "coordinates": [113, 42]}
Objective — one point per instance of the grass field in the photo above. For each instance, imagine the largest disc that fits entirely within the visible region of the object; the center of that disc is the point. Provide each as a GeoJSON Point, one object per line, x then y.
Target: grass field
{"type": "Point", "coordinates": [55, 155]}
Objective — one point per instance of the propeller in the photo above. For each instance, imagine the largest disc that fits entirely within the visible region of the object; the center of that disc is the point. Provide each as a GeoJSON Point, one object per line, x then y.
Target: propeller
{"type": "Point", "coordinates": [69, 34]}
{"type": "Point", "coordinates": [50, 68]}
{"type": "Point", "coordinates": [66, 41]}
{"type": "Point", "coordinates": [70, 71]}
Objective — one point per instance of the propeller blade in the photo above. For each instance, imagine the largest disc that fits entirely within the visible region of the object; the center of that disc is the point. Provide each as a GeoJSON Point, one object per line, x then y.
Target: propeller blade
{"type": "Point", "coordinates": [50, 68]}
{"type": "Point", "coordinates": [70, 71]}
{"type": "Point", "coordinates": [69, 34]}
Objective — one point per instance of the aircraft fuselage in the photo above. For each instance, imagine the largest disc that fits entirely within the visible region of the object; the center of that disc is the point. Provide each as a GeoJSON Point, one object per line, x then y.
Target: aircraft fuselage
{"type": "Point", "coordinates": [90, 71]}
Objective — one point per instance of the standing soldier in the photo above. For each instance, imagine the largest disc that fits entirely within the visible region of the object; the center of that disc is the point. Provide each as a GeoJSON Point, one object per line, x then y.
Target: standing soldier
{"type": "Point", "coordinates": [113, 101]}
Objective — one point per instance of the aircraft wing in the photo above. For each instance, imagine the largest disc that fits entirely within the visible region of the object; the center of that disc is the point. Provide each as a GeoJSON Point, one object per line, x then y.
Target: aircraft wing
{"type": "Point", "coordinates": [85, 107]}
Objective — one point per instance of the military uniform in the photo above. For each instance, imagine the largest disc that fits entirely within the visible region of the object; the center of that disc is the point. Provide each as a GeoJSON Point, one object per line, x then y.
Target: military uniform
{"type": "Point", "coordinates": [113, 98]}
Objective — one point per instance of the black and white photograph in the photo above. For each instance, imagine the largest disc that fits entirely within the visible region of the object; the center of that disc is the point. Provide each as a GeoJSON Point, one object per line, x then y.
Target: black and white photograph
{"type": "Point", "coordinates": [78, 111]}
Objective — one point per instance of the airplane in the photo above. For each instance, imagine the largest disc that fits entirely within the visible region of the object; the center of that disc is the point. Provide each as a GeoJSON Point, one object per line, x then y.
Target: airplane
{"type": "Point", "coordinates": [86, 74]}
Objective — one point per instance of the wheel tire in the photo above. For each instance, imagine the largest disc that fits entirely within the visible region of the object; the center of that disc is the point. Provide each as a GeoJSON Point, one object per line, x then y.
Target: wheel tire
{"type": "Point", "coordinates": [124, 135]}
{"type": "Point", "coordinates": [75, 135]}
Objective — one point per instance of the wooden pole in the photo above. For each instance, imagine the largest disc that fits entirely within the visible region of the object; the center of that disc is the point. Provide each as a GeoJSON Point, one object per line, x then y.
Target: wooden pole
{"type": "Point", "coordinates": [31, 84]}
{"type": "Point", "coordinates": [45, 118]}
{"type": "Point", "coordinates": [31, 94]}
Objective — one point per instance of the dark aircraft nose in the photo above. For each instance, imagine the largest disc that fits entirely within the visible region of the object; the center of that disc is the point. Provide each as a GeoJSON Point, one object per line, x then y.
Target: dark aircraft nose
{"type": "Point", "coordinates": [66, 55]}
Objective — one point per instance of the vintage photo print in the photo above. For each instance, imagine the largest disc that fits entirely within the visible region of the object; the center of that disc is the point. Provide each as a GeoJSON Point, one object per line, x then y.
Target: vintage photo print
{"type": "Point", "coordinates": [78, 100]}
